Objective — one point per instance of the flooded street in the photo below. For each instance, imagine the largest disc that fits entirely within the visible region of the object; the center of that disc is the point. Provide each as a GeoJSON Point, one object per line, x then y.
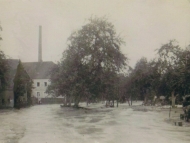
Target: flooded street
{"type": "Point", "coordinates": [52, 124]}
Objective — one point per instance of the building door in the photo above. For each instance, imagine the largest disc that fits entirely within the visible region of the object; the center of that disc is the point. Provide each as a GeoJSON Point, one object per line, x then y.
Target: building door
{"type": "Point", "coordinates": [38, 96]}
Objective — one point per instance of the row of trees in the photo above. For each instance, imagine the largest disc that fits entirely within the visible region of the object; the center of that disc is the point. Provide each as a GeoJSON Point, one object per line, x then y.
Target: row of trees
{"type": "Point", "coordinates": [167, 75]}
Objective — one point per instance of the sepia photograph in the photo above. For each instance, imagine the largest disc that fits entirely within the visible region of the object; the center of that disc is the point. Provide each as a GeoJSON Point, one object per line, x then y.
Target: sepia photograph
{"type": "Point", "coordinates": [94, 71]}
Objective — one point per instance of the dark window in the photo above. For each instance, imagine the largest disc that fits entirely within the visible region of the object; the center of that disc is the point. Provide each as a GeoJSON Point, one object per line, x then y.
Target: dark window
{"type": "Point", "coordinates": [3, 101]}
{"type": "Point", "coordinates": [45, 83]}
{"type": "Point", "coordinates": [9, 100]}
{"type": "Point", "coordinates": [38, 83]}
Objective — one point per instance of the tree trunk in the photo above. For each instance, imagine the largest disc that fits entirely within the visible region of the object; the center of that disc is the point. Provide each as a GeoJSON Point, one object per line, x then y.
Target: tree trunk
{"type": "Point", "coordinates": [69, 101]}
{"type": "Point", "coordinates": [77, 100]}
{"type": "Point", "coordinates": [17, 105]}
{"type": "Point", "coordinates": [14, 100]}
{"type": "Point", "coordinates": [173, 99]}
{"type": "Point", "coordinates": [113, 103]}
{"type": "Point", "coordinates": [117, 103]}
{"type": "Point", "coordinates": [128, 101]}
{"type": "Point", "coordinates": [131, 101]}
{"type": "Point", "coordinates": [102, 99]}
{"type": "Point", "coordinates": [86, 101]}
{"type": "Point", "coordinates": [76, 105]}
{"type": "Point", "coordinates": [65, 101]}
{"type": "Point", "coordinates": [145, 99]}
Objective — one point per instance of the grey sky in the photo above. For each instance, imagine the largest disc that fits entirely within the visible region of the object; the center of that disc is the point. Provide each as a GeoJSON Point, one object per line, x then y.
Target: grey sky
{"type": "Point", "coordinates": [144, 25]}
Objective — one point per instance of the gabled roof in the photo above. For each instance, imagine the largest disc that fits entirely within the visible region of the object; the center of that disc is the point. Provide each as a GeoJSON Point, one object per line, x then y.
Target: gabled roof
{"type": "Point", "coordinates": [39, 70]}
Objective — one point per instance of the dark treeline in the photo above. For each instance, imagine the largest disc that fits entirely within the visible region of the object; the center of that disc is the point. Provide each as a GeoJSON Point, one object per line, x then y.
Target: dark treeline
{"type": "Point", "coordinates": [167, 75]}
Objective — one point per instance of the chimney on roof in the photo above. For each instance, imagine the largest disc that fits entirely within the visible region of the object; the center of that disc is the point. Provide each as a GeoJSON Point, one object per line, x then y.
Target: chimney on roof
{"type": "Point", "coordinates": [40, 45]}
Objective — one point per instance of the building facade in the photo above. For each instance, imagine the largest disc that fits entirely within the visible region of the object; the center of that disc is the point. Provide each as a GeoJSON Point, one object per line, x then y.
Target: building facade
{"type": "Point", "coordinates": [40, 86]}
{"type": "Point", "coordinates": [39, 72]}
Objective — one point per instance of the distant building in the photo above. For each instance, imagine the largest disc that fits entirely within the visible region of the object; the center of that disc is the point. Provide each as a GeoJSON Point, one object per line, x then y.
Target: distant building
{"type": "Point", "coordinates": [39, 72]}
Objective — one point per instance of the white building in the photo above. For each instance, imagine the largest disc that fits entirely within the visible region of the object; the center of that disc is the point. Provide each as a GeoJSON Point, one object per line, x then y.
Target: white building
{"type": "Point", "coordinates": [40, 86]}
{"type": "Point", "coordinates": [39, 72]}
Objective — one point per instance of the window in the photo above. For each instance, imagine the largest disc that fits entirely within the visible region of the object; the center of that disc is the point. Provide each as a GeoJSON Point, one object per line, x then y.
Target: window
{"type": "Point", "coordinates": [38, 84]}
{"type": "Point", "coordinates": [38, 94]}
{"type": "Point", "coordinates": [45, 83]}
{"type": "Point", "coordinates": [3, 101]}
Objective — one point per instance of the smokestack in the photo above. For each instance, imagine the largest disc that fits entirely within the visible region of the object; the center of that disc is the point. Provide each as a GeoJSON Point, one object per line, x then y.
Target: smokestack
{"type": "Point", "coordinates": [40, 45]}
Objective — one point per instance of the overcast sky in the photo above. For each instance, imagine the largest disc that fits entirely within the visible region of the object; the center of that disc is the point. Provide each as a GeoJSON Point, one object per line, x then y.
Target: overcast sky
{"type": "Point", "coordinates": [144, 25]}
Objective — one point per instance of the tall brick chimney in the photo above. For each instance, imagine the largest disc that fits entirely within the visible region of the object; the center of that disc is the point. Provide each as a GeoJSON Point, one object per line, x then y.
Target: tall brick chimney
{"type": "Point", "coordinates": [40, 45]}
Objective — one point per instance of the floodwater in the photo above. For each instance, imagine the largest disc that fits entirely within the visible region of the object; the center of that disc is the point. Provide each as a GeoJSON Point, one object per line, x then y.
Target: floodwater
{"type": "Point", "coordinates": [53, 124]}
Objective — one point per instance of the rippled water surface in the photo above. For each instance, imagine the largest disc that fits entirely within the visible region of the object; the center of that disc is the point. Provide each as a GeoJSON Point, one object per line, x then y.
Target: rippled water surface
{"type": "Point", "coordinates": [52, 124]}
